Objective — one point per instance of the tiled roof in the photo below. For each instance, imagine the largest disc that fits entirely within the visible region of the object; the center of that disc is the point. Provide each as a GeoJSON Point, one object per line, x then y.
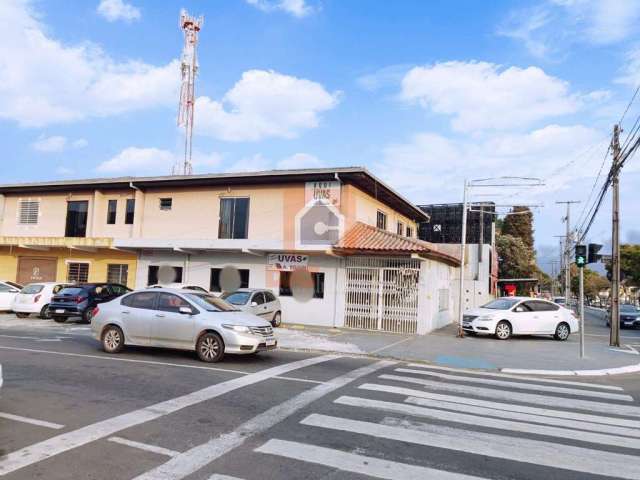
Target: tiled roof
{"type": "Point", "coordinates": [362, 238]}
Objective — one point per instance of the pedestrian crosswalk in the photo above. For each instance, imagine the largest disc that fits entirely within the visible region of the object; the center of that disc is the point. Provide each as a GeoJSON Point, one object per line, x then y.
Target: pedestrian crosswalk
{"type": "Point", "coordinates": [550, 425]}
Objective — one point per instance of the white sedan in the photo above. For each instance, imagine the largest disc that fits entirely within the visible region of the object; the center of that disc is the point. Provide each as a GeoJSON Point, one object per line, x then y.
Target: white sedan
{"type": "Point", "coordinates": [8, 292]}
{"type": "Point", "coordinates": [509, 316]}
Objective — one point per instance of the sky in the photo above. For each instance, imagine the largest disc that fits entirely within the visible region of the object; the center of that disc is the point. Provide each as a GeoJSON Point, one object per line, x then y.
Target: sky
{"type": "Point", "coordinates": [424, 94]}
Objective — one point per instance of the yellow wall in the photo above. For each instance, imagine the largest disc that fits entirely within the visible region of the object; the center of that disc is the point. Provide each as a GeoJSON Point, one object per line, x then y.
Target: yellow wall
{"type": "Point", "coordinates": [98, 262]}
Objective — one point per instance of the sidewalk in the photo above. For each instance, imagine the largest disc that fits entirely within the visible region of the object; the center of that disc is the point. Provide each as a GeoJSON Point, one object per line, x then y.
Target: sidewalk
{"type": "Point", "coordinates": [531, 354]}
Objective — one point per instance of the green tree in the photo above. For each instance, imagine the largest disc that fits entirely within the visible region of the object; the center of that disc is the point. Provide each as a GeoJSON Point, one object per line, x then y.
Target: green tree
{"type": "Point", "coordinates": [515, 258]}
{"type": "Point", "coordinates": [593, 282]}
{"type": "Point", "coordinates": [519, 223]}
{"type": "Point", "coordinates": [629, 264]}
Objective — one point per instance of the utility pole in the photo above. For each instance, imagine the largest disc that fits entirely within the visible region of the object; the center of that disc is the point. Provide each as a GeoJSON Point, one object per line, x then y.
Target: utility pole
{"type": "Point", "coordinates": [567, 251]}
{"type": "Point", "coordinates": [614, 338]}
{"type": "Point", "coordinates": [463, 241]}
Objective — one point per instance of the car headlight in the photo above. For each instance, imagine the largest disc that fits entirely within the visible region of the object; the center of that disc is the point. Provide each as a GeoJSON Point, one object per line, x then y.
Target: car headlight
{"type": "Point", "coordinates": [237, 328]}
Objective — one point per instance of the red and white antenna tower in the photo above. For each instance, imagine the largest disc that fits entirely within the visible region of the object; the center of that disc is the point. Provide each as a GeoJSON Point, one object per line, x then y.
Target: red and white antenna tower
{"type": "Point", "coordinates": [189, 68]}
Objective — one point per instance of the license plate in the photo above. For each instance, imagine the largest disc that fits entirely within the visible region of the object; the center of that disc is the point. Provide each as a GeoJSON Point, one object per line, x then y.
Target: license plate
{"type": "Point", "coordinates": [59, 310]}
{"type": "Point", "coordinates": [270, 342]}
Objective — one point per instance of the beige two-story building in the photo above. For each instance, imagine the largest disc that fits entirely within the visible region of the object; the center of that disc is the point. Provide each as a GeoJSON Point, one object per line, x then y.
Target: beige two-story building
{"type": "Point", "coordinates": [350, 236]}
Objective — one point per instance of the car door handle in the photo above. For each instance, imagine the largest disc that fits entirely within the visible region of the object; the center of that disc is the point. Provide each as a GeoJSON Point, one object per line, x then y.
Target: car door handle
{"type": "Point", "coordinates": [126, 312]}
{"type": "Point", "coordinates": [159, 315]}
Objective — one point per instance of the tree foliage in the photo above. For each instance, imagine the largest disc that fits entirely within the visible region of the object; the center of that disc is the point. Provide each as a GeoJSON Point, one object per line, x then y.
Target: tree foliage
{"type": "Point", "coordinates": [593, 282]}
{"type": "Point", "coordinates": [519, 223]}
{"type": "Point", "coordinates": [629, 264]}
{"type": "Point", "coordinates": [514, 257]}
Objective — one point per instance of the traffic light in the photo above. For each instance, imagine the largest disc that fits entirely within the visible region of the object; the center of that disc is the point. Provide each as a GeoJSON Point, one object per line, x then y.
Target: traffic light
{"type": "Point", "coordinates": [581, 255]}
{"type": "Point", "coordinates": [593, 256]}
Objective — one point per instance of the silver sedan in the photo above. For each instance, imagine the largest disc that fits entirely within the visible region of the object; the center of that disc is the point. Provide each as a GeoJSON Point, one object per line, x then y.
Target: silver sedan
{"type": "Point", "coordinates": [181, 319]}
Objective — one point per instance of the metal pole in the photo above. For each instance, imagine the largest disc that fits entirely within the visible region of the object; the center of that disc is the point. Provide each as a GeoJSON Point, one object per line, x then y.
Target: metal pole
{"type": "Point", "coordinates": [581, 303]}
{"type": "Point", "coordinates": [463, 241]}
{"type": "Point", "coordinates": [614, 339]}
{"type": "Point", "coordinates": [567, 262]}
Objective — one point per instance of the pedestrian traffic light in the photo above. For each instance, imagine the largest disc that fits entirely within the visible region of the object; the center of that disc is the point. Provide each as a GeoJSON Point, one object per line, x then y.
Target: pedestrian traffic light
{"type": "Point", "coordinates": [592, 255]}
{"type": "Point", "coordinates": [581, 255]}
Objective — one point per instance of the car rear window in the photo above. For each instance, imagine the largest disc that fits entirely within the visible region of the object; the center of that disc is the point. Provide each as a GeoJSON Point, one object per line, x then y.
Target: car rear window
{"type": "Point", "coordinates": [33, 288]}
{"type": "Point", "coordinates": [72, 291]}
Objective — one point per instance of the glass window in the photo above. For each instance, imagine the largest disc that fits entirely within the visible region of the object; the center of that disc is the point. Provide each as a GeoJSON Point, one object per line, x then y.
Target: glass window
{"type": "Point", "coordinates": [400, 228]}
{"type": "Point", "coordinates": [538, 306]}
{"type": "Point", "coordinates": [237, 298]}
{"type": "Point", "coordinates": [16, 285]}
{"type": "Point", "coordinates": [214, 280]}
{"type": "Point", "coordinates": [525, 307]}
{"type": "Point", "coordinates": [234, 218]}
{"type": "Point", "coordinates": [75, 291]}
{"type": "Point", "coordinates": [76, 219]}
{"type": "Point", "coordinates": [140, 300]}
{"type": "Point", "coordinates": [381, 221]}
{"type": "Point", "coordinates": [130, 211]}
{"type": "Point", "coordinates": [5, 288]}
{"type": "Point", "coordinates": [119, 289]}
{"type": "Point", "coordinates": [152, 275]}
{"type": "Point", "coordinates": [210, 303]}
{"type": "Point", "coordinates": [318, 284]}
{"type": "Point", "coordinates": [112, 207]}
{"type": "Point", "coordinates": [258, 298]}
{"type": "Point", "coordinates": [117, 273]}
{"type": "Point", "coordinates": [57, 288]}
{"type": "Point", "coordinates": [627, 308]}
{"type": "Point", "coordinates": [29, 212]}
{"type": "Point", "coordinates": [33, 288]}
{"type": "Point", "coordinates": [501, 304]}
{"type": "Point", "coordinates": [409, 232]}
{"type": "Point", "coordinates": [166, 203]}
{"type": "Point", "coordinates": [168, 302]}
{"type": "Point", "coordinates": [78, 272]}
{"type": "Point", "coordinates": [285, 284]}
{"type": "Point", "coordinates": [269, 297]}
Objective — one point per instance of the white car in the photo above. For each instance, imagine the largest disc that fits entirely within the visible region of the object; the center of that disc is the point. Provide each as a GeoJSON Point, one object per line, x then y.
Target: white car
{"type": "Point", "coordinates": [181, 286]}
{"type": "Point", "coordinates": [258, 301]}
{"type": "Point", "coordinates": [509, 316]}
{"type": "Point", "coordinates": [8, 292]}
{"type": "Point", "coordinates": [35, 298]}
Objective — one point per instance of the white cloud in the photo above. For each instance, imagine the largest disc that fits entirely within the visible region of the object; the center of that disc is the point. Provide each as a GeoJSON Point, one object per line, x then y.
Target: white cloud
{"type": "Point", "coordinates": [80, 143]}
{"type": "Point", "coordinates": [254, 163]}
{"type": "Point", "coordinates": [114, 10]}
{"type": "Point", "coordinates": [264, 104]}
{"type": "Point", "coordinates": [297, 8]}
{"type": "Point", "coordinates": [57, 143]}
{"type": "Point", "coordinates": [481, 95]}
{"type": "Point", "coordinates": [299, 160]}
{"type": "Point", "coordinates": [258, 162]}
{"type": "Point", "coordinates": [630, 73]}
{"type": "Point", "coordinates": [43, 81]}
{"type": "Point", "coordinates": [64, 171]}
{"type": "Point", "coordinates": [153, 161]}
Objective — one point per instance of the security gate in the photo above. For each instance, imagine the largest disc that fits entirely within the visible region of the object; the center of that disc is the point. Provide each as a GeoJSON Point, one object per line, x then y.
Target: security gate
{"type": "Point", "coordinates": [382, 294]}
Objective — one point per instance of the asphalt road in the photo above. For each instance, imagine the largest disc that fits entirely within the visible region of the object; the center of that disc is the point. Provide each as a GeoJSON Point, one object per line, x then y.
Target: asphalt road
{"type": "Point", "coordinates": [68, 410]}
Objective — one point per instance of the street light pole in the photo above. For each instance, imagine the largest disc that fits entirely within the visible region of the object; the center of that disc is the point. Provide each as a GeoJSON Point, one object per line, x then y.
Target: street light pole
{"type": "Point", "coordinates": [581, 312]}
{"type": "Point", "coordinates": [463, 242]}
{"type": "Point", "coordinates": [614, 339]}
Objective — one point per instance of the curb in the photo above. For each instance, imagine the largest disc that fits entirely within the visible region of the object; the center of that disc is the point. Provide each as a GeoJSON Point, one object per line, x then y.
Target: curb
{"type": "Point", "coordinates": [581, 373]}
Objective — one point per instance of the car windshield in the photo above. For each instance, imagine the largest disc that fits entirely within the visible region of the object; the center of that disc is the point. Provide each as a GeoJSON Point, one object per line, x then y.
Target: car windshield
{"type": "Point", "coordinates": [558, 300]}
{"type": "Point", "coordinates": [33, 288]}
{"type": "Point", "coordinates": [210, 303]}
{"type": "Point", "coordinates": [237, 298]}
{"type": "Point", "coordinates": [71, 291]}
{"type": "Point", "coordinates": [501, 304]}
{"type": "Point", "coordinates": [629, 309]}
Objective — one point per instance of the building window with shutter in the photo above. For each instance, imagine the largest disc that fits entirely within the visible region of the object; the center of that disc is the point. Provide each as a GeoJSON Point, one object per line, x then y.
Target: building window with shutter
{"type": "Point", "coordinates": [78, 272]}
{"type": "Point", "coordinates": [117, 273]}
{"type": "Point", "coordinates": [112, 207]}
{"type": "Point", "coordinates": [381, 220]}
{"type": "Point", "coordinates": [234, 218]}
{"type": "Point", "coordinates": [29, 211]}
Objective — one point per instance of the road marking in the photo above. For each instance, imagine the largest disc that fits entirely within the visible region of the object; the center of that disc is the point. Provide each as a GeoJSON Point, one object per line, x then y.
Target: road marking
{"type": "Point", "coordinates": [67, 441]}
{"type": "Point", "coordinates": [198, 457]}
{"type": "Point", "coordinates": [421, 394]}
{"type": "Point", "coordinates": [351, 462]}
{"type": "Point", "coordinates": [217, 476]}
{"type": "Point", "coordinates": [516, 377]}
{"type": "Point", "coordinates": [144, 446]}
{"type": "Point", "coordinates": [522, 386]}
{"type": "Point", "coordinates": [524, 450]}
{"type": "Point", "coordinates": [562, 402]}
{"type": "Point", "coordinates": [32, 421]}
{"type": "Point", "coordinates": [497, 423]}
{"type": "Point", "coordinates": [392, 345]}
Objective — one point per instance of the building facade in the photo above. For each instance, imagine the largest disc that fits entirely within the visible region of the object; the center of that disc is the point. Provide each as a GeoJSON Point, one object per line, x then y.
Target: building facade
{"type": "Point", "coordinates": [304, 234]}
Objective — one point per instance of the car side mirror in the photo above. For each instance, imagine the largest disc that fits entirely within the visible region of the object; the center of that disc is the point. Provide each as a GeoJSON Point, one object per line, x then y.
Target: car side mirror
{"type": "Point", "coordinates": [254, 304]}
{"type": "Point", "coordinates": [185, 311]}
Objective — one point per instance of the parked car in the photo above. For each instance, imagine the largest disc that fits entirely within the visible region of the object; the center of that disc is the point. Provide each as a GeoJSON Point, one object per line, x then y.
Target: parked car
{"type": "Point", "coordinates": [173, 318]}
{"type": "Point", "coordinates": [35, 298]}
{"type": "Point", "coordinates": [80, 300]}
{"type": "Point", "coordinates": [560, 301]}
{"type": "Point", "coordinates": [8, 292]}
{"type": "Point", "coordinates": [509, 316]}
{"type": "Point", "coordinates": [181, 286]}
{"type": "Point", "coordinates": [260, 302]}
{"type": "Point", "coordinates": [629, 316]}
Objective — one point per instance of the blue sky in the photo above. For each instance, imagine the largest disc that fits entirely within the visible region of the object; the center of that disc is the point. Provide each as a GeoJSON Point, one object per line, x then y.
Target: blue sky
{"type": "Point", "coordinates": [422, 93]}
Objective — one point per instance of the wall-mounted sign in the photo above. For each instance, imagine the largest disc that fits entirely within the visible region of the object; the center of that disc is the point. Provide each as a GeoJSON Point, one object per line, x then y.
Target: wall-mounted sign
{"type": "Point", "coordinates": [287, 261]}
{"type": "Point", "coordinates": [326, 192]}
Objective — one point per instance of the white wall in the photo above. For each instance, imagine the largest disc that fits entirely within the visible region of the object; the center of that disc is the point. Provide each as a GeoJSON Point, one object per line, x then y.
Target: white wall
{"type": "Point", "coordinates": [434, 277]}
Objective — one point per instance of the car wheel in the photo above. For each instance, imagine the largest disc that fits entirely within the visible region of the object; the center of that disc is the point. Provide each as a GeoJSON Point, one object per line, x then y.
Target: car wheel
{"type": "Point", "coordinates": [45, 313]}
{"type": "Point", "coordinates": [59, 319]}
{"type": "Point", "coordinates": [503, 330]}
{"type": "Point", "coordinates": [22, 314]}
{"type": "Point", "coordinates": [210, 347]}
{"type": "Point", "coordinates": [277, 319]}
{"type": "Point", "coordinates": [87, 315]}
{"type": "Point", "coordinates": [112, 339]}
{"type": "Point", "coordinates": [562, 332]}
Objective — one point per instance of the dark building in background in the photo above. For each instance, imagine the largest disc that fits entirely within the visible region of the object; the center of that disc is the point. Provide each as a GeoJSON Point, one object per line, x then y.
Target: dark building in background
{"type": "Point", "coordinates": [445, 225]}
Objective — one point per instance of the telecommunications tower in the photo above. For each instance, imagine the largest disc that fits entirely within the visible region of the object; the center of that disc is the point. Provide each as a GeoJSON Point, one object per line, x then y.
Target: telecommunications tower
{"type": "Point", "coordinates": [188, 69]}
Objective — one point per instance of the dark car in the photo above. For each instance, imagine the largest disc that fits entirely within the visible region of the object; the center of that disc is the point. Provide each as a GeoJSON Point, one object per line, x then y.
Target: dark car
{"type": "Point", "coordinates": [629, 316]}
{"type": "Point", "coordinates": [80, 300]}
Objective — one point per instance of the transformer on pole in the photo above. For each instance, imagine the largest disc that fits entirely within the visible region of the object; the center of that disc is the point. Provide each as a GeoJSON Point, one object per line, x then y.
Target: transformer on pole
{"type": "Point", "coordinates": [188, 69]}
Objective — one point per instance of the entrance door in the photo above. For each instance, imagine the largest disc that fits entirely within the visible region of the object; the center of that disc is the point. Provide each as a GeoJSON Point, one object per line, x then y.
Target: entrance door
{"type": "Point", "coordinates": [36, 269]}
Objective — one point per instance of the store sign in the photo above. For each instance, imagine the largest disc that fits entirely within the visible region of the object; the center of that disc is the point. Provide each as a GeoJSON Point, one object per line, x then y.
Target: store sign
{"type": "Point", "coordinates": [324, 192]}
{"type": "Point", "coordinates": [287, 261]}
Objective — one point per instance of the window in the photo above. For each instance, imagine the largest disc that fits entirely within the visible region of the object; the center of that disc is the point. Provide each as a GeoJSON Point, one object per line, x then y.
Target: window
{"type": "Point", "coordinates": [140, 300]}
{"type": "Point", "coordinates": [400, 229]}
{"type": "Point", "coordinates": [152, 275]}
{"type": "Point", "coordinates": [166, 203]}
{"type": "Point", "coordinates": [236, 298]}
{"type": "Point", "coordinates": [409, 232]}
{"type": "Point", "coordinates": [316, 277]}
{"type": "Point", "coordinates": [117, 273]}
{"type": "Point", "coordinates": [318, 284]}
{"type": "Point", "coordinates": [112, 206]}
{"type": "Point", "coordinates": [76, 218]}
{"type": "Point", "coordinates": [78, 272]}
{"type": "Point", "coordinates": [269, 297]}
{"type": "Point", "coordinates": [131, 208]}
{"type": "Point", "coordinates": [29, 211]}
{"type": "Point", "coordinates": [258, 298]}
{"type": "Point", "coordinates": [214, 281]}
{"type": "Point", "coordinates": [538, 306]}
{"type": "Point", "coordinates": [5, 288]}
{"type": "Point", "coordinates": [119, 289]}
{"type": "Point", "coordinates": [285, 284]}
{"type": "Point", "coordinates": [234, 218]}
{"type": "Point", "coordinates": [168, 302]}
{"type": "Point", "coordinates": [381, 221]}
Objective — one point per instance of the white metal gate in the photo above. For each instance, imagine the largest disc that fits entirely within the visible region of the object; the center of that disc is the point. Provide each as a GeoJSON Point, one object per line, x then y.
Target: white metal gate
{"type": "Point", "coordinates": [382, 294]}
